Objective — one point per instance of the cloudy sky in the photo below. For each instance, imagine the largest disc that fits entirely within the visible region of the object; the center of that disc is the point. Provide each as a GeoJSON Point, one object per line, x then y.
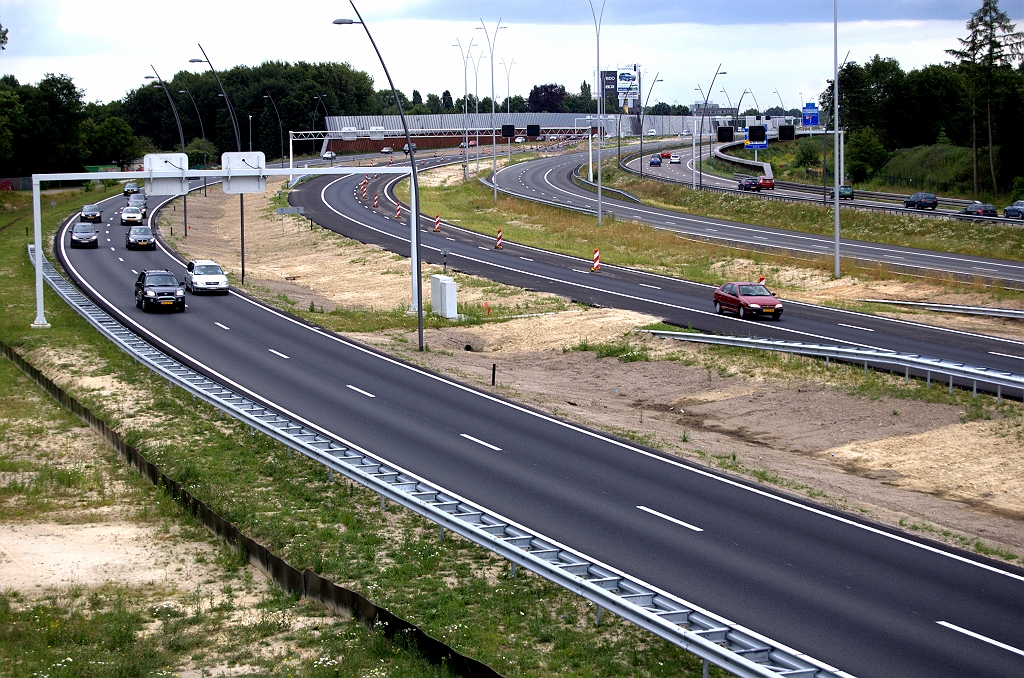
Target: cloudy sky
{"type": "Point", "coordinates": [107, 47]}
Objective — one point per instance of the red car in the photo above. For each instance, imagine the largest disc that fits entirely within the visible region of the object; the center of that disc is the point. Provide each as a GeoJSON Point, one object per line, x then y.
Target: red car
{"type": "Point", "coordinates": [666, 154]}
{"type": "Point", "coordinates": [748, 299]}
{"type": "Point", "coordinates": [766, 182]}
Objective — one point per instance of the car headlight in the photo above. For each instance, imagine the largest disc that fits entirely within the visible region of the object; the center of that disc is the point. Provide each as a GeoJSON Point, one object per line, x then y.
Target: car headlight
{"type": "Point", "coordinates": [778, 305]}
{"type": "Point", "coordinates": [150, 293]}
{"type": "Point", "coordinates": [755, 305]}
{"type": "Point", "coordinates": [179, 293]}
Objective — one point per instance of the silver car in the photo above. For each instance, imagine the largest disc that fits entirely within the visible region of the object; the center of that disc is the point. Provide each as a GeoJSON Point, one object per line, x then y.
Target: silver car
{"type": "Point", "coordinates": [205, 275]}
{"type": "Point", "coordinates": [131, 215]}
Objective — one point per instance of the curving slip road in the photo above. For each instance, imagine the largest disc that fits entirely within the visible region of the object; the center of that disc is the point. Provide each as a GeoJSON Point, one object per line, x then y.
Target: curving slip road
{"type": "Point", "coordinates": [859, 596]}
{"type": "Point", "coordinates": [550, 179]}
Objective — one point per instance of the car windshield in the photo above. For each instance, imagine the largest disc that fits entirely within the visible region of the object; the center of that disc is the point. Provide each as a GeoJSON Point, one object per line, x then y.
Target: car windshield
{"type": "Point", "coordinates": [987, 208]}
{"type": "Point", "coordinates": [163, 280]}
{"type": "Point", "coordinates": [131, 185]}
{"type": "Point", "coordinates": [131, 210]}
{"type": "Point", "coordinates": [90, 208]}
{"type": "Point", "coordinates": [754, 291]}
{"type": "Point", "coordinates": [927, 196]}
{"type": "Point", "coordinates": [135, 199]}
{"type": "Point", "coordinates": [208, 269]}
{"type": "Point", "coordinates": [141, 230]}
{"type": "Point", "coordinates": [84, 228]}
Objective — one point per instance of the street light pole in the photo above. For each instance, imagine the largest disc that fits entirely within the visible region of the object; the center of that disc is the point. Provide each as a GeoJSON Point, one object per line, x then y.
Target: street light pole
{"type": "Point", "coordinates": [476, 97]}
{"type": "Point", "coordinates": [417, 296]}
{"type": "Point", "coordinates": [238, 145]}
{"type": "Point", "coordinates": [643, 112]}
{"type": "Point", "coordinates": [280, 125]}
{"type": "Point", "coordinates": [703, 111]}
{"type": "Point", "coordinates": [202, 131]}
{"type": "Point", "coordinates": [491, 42]}
{"type": "Point", "coordinates": [598, 19]}
{"type": "Point", "coordinates": [508, 99]}
{"type": "Point", "coordinates": [835, 128]}
{"type": "Point", "coordinates": [181, 136]}
{"type": "Point", "coordinates": [250, 132]}
{"type": "Point", "coordinates": [466, 58]}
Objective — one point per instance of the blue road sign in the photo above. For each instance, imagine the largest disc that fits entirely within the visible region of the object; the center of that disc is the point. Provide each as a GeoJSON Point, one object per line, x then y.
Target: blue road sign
{"type": "Point", "coordinates": [810, 115]}
{"type": "Point", "coordinates": [754, 145]}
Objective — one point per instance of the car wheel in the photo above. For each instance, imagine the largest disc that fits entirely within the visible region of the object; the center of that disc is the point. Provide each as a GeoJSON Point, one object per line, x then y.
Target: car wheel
{"type": "Point", "coordinates": [181, 309]}
{"type": "Point", "coordinates": [1020, 215]}
{"type": "Point", "coordinates": [777, 315]}
{"type": "Point", "coordinates": [742, 312]}
{"type": "Point", "coordinates": [145, 306]}
{"type": "Point", "coordinates": [718, 308]}
{"type": "Point", "coordinates": [138, 301]}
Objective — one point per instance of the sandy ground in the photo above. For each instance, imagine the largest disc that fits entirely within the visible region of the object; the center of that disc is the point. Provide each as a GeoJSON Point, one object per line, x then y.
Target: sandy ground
{"type": "Point", "coordinates": [893, 460]}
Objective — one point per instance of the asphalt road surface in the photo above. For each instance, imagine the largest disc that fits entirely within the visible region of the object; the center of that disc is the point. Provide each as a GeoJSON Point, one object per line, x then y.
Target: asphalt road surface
{"type": "Point", "coordinates": [862, 597]}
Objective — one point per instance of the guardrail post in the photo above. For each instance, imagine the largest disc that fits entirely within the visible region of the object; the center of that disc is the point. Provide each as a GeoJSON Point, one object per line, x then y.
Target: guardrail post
{"type": "Point", "coordinates": [929, 380]}
{"type": "Point", "coordinates": [330, 474]}
{"type": "Point", "coordinates": [951, 384]}
{"type": "Point", "coordinates": [597, 619]}
{"type": "Point", "coordinates": [906, 376]}
{"type": "Point", "coordinates": [705, 672]}
{"type": "Point", "coordinates": [512, 571]}
{"type": "Point", "coordinates": [382, 503]}
{"type": "Point", "coordinates": [999, 393]}
{"type": "Point", "coordinates": [975, 389]}
{"type": "Point", "coordinates": [441, 527]}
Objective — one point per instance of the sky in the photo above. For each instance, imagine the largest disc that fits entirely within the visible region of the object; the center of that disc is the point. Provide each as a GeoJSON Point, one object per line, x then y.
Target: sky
{"type": "Point", "coordinates": [780, 51]}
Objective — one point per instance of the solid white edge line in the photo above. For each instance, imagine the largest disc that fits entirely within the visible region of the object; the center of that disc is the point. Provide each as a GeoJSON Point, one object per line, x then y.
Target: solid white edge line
{"type": "Point", "coordinates": [1007, 355]}
{"type": "Point", "coordinates": [359, 390]}
{"type": "Point", "coordinates": [855, 327]}
{"type": "Point", "coordinates": [480, 442]}
{"type": "Point", "coordinates": [980, 637]}
{"type": "Point", "coordinates": [670, 519]}
{"type": "Point", "coordinates": [789, 301]}
{"type": "Point", "coordinates": [278, 353]}
{"type": "Point", "coordinates": [222, 326]}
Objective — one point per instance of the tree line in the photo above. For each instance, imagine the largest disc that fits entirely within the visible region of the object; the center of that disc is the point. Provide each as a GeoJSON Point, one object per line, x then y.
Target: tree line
{"type": "Point", "coordinates": [975, 100]}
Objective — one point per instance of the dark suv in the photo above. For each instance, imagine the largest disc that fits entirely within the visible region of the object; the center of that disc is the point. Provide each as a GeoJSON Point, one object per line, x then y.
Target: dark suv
{"type": "Point", "coordinates": [921, 201]}
{"type": "Point", "coordinates": [159, 289]}
{"type": "Point", "coordinates": [130, 188]}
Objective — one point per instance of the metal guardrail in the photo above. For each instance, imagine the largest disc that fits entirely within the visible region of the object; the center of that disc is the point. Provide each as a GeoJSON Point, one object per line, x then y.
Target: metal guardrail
{"type": "Point", "coordinates": [896, 210]}
{"type": "Point", "coordinates": [578, 178]}
{"type": "Point", "coordinates": [953, 308]}
{"type": "Point", "coordinates": [734, 649]}
{"type": "Point", "coordinates": [908, 361]}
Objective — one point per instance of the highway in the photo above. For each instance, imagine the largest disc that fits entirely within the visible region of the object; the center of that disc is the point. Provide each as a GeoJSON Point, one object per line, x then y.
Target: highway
{"type": "Point", "coordinates": [550, 179]}
{"type": "Point", "coordinates": [859, 596]}
{"type": "Point", "coordinates": [335, 204]}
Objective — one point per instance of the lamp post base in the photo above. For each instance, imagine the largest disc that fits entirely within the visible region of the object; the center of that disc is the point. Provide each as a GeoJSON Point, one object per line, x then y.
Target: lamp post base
{"type": "Point", "coordinates": [40, 325]}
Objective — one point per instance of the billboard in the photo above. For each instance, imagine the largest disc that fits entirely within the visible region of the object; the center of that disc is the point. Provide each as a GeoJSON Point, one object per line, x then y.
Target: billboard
{"type": "Point", "coordinates": [610, 78]}
{"type": "Point", "coordinates": [627, 83]}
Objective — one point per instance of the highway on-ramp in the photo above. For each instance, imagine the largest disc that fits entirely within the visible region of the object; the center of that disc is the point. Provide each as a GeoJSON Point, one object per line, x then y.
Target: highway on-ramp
{"type": "Point", "coordinates": [859, 596]}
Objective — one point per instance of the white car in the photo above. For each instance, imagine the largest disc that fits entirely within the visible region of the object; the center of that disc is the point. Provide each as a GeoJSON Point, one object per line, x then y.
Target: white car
{"type": "Point", "coordinates": [674, 159]}
{"type": "Point", "coordinates": [651, 133]}
{"type": "Point", "coordinates": [131, 215]}
{"type": "Point", "coordinates": [520, 140]}
{"type": "Point", "coordinates": [205, 275]}
{"type": "Point", "coordinates": [329, 155]}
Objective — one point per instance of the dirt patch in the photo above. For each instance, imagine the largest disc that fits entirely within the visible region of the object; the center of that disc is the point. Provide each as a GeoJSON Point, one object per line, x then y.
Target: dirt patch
{"type": "Point", "coordinates": [294, 265]}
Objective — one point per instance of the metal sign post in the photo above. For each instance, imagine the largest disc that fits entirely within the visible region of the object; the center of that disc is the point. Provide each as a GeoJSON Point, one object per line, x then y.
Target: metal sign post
{"type": "Point", "coordinates": [237, 175]}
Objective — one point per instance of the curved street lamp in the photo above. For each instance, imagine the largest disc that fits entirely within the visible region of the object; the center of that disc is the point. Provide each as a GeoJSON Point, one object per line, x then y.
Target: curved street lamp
{"type": "Point", "coordinates": [181, 136]}
{"type": "Point", "coordinates": [643, 112]}
{"type": "Point", "coordinates": [492, 40]}
{"type": "Point", "coordinates": [202, 131]}
{"type": "Point", "coordinates": [280, 125]}
{"type": "Point", "coordinates": [598, 19]}
{"type": "Point", "coordinates": [466, 58]}
{"type": "Point", "coordinates": [703, 111]}
{"type": "Point", "coordinates": [417, 294]}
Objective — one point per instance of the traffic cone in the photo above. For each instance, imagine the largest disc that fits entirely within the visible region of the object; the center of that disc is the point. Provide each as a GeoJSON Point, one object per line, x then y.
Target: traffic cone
{"type": "Point", "coordinates": [437, 224]}
{"type": "Point", "coordinates": [497, 245]}
{"type": "Point", "coordinates": [596, 268]}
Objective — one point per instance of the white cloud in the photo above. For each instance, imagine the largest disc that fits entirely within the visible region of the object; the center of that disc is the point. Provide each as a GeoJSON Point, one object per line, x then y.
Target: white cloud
{"type": "Point", "coordinates": [107, 48]}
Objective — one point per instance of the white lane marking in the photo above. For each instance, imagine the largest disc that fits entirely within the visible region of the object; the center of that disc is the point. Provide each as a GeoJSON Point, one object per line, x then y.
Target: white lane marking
{"type": "Point", "coordinates": [653, 287]}
{"type": "Point", "coordinates": [133, 270]}
{"type": "Point", "coordinates": [580, 270]}
{"type": "Point", "coordinates": [714, 230]}
{"type": "Point", "coordinates": [670, 519]}
{"type": "Point", "coordinates": [359, 390]}
{"type": "Point", "coordinates": [106, 231]}
{"type": "Point", "coordinates": [980, 637]}
{"type": "Point", "coordinates": [692, 469]}
{"type": "Point", "coordinates": [1007, 355]}
{"type": "Point", "coordinates": [526, 258]}
{"type": "Point", "coordinates": [990, 270]}
{"type": "Point", "coordinates": [112, 249]}
{"type": "Point", "coordinates": [120, 259]}
{"type": "Point", "coordinates": [855, 327]}
{"type": "Point", "coordinates": [277, 353]}
{"type": "Point", "coordinates": [477, 440]}
{"type": "Point", "coordinates": [452, 239]}
{"type": "Point", "coordinates": [223, 327]}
